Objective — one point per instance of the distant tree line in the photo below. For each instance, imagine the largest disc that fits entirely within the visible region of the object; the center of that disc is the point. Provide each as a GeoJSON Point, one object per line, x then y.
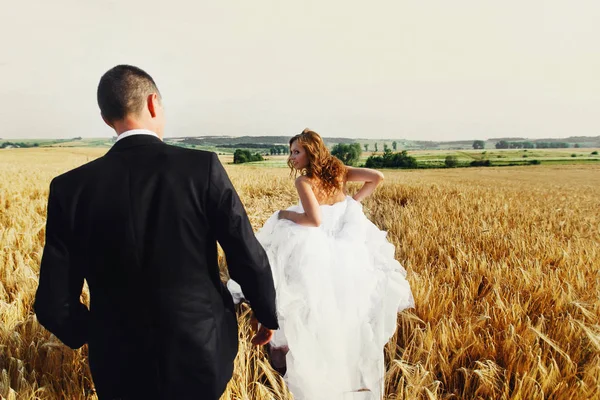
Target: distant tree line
{"type": "Point", "coordinates": [507, 144]}
{"type": "Point", "coordinates": [243, 156]}
{"type": "Point", "coordinates": [247, 146]}
{"type": "Point", "coordinates": [263, 142]}
{"type": "Point", "coordinates": [552, 145]}
{"type": "Point", "coordinates": [390, 159]}
{"type": "Point", "coordinates": [18, 144]}
{"type": "Point", "coordinates": [504, 144]}
{"type": "Point", "coordinates": [25, 145]}
{"type": "Point", "coordinates": [275, 150]}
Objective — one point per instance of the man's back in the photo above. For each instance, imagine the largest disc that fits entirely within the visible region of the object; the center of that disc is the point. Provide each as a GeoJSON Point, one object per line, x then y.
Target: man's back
{"type": "Point", "coordinates": [140, 225]}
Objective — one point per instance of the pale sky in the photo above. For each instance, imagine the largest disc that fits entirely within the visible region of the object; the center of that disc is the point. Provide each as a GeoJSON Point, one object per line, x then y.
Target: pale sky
{"type": "Point", "coordinates": [421, 70]}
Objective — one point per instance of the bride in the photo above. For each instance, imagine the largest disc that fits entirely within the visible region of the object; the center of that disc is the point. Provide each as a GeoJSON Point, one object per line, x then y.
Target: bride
{"type": "Point", "coordinates": [338, 286]}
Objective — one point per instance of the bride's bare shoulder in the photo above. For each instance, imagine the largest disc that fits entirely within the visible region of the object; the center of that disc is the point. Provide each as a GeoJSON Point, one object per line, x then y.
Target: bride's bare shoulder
{"type": "Point", "coordinates": [303, 180]}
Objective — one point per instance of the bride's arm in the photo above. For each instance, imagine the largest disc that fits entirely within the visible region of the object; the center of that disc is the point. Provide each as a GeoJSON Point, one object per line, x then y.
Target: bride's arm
{"type": "Point", "coordinates": [370, 177]}
{"type": "Point", "coordinates": [312, 213]}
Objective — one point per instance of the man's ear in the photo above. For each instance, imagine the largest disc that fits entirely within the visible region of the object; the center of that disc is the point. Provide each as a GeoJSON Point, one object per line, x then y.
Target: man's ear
{"type": "Point", "coordinates": [107, 122]}
{"type": "Point", "coordinates": [153, 104]}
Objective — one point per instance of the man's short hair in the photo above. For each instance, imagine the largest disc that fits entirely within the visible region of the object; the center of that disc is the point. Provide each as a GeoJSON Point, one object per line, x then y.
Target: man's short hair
{"type": "Point", "coordinates": [123, 91]}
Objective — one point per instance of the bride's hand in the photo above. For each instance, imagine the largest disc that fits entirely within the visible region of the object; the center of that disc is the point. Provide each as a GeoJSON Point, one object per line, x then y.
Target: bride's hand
{"type": "Point", "coordinates": [262, 337]}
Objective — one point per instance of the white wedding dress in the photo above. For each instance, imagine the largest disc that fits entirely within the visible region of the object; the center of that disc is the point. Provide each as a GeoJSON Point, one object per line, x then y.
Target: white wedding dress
{"type": "Point", "coordinates": [339, 289]}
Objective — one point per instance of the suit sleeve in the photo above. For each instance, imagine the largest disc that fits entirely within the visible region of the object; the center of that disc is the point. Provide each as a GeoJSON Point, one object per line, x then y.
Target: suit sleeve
{"type": "Point", "coordinates": [246, 259]}
{"type": "Point", "coordinates": [57, 300]}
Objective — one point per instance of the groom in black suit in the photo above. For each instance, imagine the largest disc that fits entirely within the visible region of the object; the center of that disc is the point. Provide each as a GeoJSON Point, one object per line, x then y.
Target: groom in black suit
{"type": "Point", "coordinates": [141, 226]}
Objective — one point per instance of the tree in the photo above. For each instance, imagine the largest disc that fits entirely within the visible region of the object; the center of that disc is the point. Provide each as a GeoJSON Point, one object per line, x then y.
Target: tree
{"type": "Point", "coordinates": [503, 144]}
{"type": "Point", "coordinates": [480, 163]}
{"type": "Point", "coordinates": [515, 145]}
{"type": "Point", "coordinates": [349, 154]}
{"type": "Point", "coordinates": [376, 147]}
{"type": "Point", "coordinates": [366, 146]}
{"type": "Point", "coordinates": [240, 157]}
{"type": "Point", "coordinates": [243, 156]}
{"type": "Point", "coordinates": [394, 145]}
{"type": "Point", "coordinates": [478, 144]}
{"type": "Point", "coordinates": [451, 161]}
{"type": "Point", "coordinates": [385, 147]}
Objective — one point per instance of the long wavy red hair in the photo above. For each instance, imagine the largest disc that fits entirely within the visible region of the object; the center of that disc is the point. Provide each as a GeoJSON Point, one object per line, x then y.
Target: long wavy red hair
{"type": "Point", "coordinates": [329, 171]}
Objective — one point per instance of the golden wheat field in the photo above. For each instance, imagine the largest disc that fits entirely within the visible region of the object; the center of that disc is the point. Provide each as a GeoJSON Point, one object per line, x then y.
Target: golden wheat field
{"type": "Point", "coordinates": [503, 262]}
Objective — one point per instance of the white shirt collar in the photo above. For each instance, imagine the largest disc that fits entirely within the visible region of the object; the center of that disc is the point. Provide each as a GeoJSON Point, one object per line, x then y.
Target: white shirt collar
{"type": "Point", "coordinates": [136, 132]}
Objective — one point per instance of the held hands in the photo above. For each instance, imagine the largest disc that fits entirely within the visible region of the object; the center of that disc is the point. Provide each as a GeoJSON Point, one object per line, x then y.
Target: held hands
{"type": "Point", "coordinates": [283, 214]}
{"type": "Point", "coordinates": [262, 336]}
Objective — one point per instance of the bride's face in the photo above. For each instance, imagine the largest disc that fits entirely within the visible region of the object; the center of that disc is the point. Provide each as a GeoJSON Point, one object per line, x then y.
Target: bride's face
{"type": "Point", "coordinates": [298, 156]}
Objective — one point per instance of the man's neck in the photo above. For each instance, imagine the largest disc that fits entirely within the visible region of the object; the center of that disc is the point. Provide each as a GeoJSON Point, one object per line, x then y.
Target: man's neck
{"type": "Point", "coordinates": [137, 132]}
{"type": "Point", "coordinates": [130, 125]}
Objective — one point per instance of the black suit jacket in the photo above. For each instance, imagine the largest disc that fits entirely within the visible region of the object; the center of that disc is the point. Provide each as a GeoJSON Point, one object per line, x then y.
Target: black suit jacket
{"type": "Point", "coordinates": [141, 226]}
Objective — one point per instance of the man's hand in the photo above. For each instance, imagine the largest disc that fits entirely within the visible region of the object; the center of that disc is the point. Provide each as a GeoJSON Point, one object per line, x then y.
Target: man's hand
{"type": "Point", "coordinates": [283, 214]}
{"type": "Point", "coordinates": [262, 337]}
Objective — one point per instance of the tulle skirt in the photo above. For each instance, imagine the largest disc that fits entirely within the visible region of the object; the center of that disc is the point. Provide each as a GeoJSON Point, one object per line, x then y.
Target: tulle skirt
{"type": "Point", "coordinates": [339, 289]}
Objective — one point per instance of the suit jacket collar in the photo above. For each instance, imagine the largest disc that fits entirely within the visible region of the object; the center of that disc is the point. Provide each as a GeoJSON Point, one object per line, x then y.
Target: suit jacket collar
{"type": "Point", "coordinates": [135, 141]}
